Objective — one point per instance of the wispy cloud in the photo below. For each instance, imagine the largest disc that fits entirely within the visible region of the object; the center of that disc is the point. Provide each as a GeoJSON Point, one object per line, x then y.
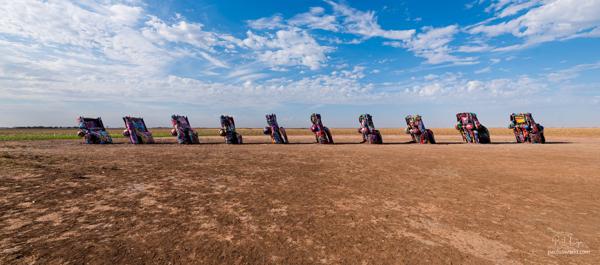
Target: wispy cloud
{"type": "Point", "coordinates": [364, 23]}
{"type": "Point", "coordinates": [542, 21]}
{"type": "Point", "coordinates": [572, 72]}
{"type": "Point", "coordinates": [316, 18]}
{"type": "Point", "coordinates": [456, 86]}
{"type": "Point", "coordinates": [288, 47]}
{"type": "Point", "coordinates": [483, 70]}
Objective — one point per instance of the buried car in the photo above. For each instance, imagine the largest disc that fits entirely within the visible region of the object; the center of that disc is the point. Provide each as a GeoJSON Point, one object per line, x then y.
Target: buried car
{"type": "Point", "coordinates": [322, 133]}
{"type": "Point", "coordinates": [416, 128]}
{"type": "Point", "coordinates": [526, 130]}
{"type": "Point", "coordinates": [136, 131]}
{"type": "Point", "coordinates": [183, 130]}
{"type": "Point", "coordinates": [277, 133]}
{"type": "Point", "coordinates": [93, 131]}
{"type": "Point", "coordinates": [471, 129]}
{"type": "Point", "coordinates": [368, 131]}
{"type": "Point", "coordinates": [228, 130]}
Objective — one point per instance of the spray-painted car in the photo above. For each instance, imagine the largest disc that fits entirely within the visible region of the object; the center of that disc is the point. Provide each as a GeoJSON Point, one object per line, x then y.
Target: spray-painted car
{"type": "Point", "coordinates": [417, 130]}
{"type": "Point", "coordinates": [322, 133]}
{"type": "Point", "coordinates": [92, 131]}
{"type": "Point", "coordinates": [471, 129]}
{"type": "Point", "coordinates": [526, 129]}
{"type": "Point", "coordinates": [183, 130]}
{"type": "Point", "coordinates": [277, 133]}
{"type": "Point", "coordinates": [368, 131]}
{"type": "Point", "coordinates": [228, 130]}
{"type": "Point", "coordinates": [136, 131]}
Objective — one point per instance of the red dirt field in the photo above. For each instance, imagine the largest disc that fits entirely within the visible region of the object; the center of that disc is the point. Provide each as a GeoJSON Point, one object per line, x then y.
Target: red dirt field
{"type": "Point", "coordinates": [62, 202]}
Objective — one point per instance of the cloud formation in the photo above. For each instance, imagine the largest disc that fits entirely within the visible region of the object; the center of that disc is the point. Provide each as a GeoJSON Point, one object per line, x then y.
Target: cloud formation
{"type": "Point", "coordinates": [110, 51]}
{"type": "Point", "coordinates": [543, 21]}
{"type": "Point", "coordinates": [287, 47]}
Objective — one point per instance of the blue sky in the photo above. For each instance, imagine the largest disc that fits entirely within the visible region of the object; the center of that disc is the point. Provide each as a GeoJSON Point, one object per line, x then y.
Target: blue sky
{"type": "Point", "coordinates": [62, 59]}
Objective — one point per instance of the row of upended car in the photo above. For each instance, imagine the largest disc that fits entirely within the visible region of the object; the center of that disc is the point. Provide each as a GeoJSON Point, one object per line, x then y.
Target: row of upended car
{"type": "Point", "coordinates": [524, 127]}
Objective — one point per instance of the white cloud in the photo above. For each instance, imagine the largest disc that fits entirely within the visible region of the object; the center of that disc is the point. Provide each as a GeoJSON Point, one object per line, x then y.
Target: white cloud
{"type": "Point", "coordinates": [213, 60]}
{"type": "Point", "coordinates": [64, 22]}
{"type": "Point", "coordinates": [497, 5]}
{"type": "Point", "coordinates": [482, 47]}
{"type": "Point", "coordinates": [273, 22]}
{"type": "Point", "coordinates": [341, 87]}
{"type": "Point", "coordinates": [109, 35]}
{"type": "Point", "coordinates": [189, 33]}
{"type": "Point", "coordinates": [288, 47]}
{"type": "Point", "coordinates": [126, 15]}
{"type": "Point", "coordinates": [365, 23]}
{"type": "Point", "coordinates": [395, 44]}
{"type": "Point", "coordinates": [70, 38]}
{"type": "Point", "coordinates": [356, 73]}
{"type": "Point", "coordinates": [344, 19]}
{"type": "Point", "coordinates": [246, 73]}
{"type": "Point", "coordinates": [201, 43]}
{"type": "Point", "coordinates": [547, 21]}
{"type": "Point", "coordinates": [483, 70]}
{"type": "Point", "coordinates": [433, 45]}
{"type": "Point", "coordinates": [572, 72]}
{"type": "Point", "coordinates": [456, 86]}
{"type": "Point", "coordinates": [315, 19]}
{"type": "Point", "coordinates": [518, 6]}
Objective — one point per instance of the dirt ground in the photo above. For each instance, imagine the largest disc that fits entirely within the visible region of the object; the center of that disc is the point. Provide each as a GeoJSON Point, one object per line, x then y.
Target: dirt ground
{"type": "Point", "coordinates": [62, 202]}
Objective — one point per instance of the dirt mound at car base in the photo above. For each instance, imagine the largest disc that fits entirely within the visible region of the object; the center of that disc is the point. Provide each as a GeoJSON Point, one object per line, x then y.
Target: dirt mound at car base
{"type": "Point", "coordinates": [62, 201]}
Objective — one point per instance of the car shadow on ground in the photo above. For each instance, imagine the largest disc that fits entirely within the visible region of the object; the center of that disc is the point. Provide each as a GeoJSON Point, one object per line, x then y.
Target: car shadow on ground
{"type": "Point", "coordinates": [299, 143]}
{"type": "Point", "coordinates": [268, 143]}
{"type": "Point", "coordinates": [501, 143]}
{"type": "Point", "coordinates": [447, 143]}
{"type": "Point", "coordinates": [530, 143]}
{"type": "Point", "coordinates": [396, 143]}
